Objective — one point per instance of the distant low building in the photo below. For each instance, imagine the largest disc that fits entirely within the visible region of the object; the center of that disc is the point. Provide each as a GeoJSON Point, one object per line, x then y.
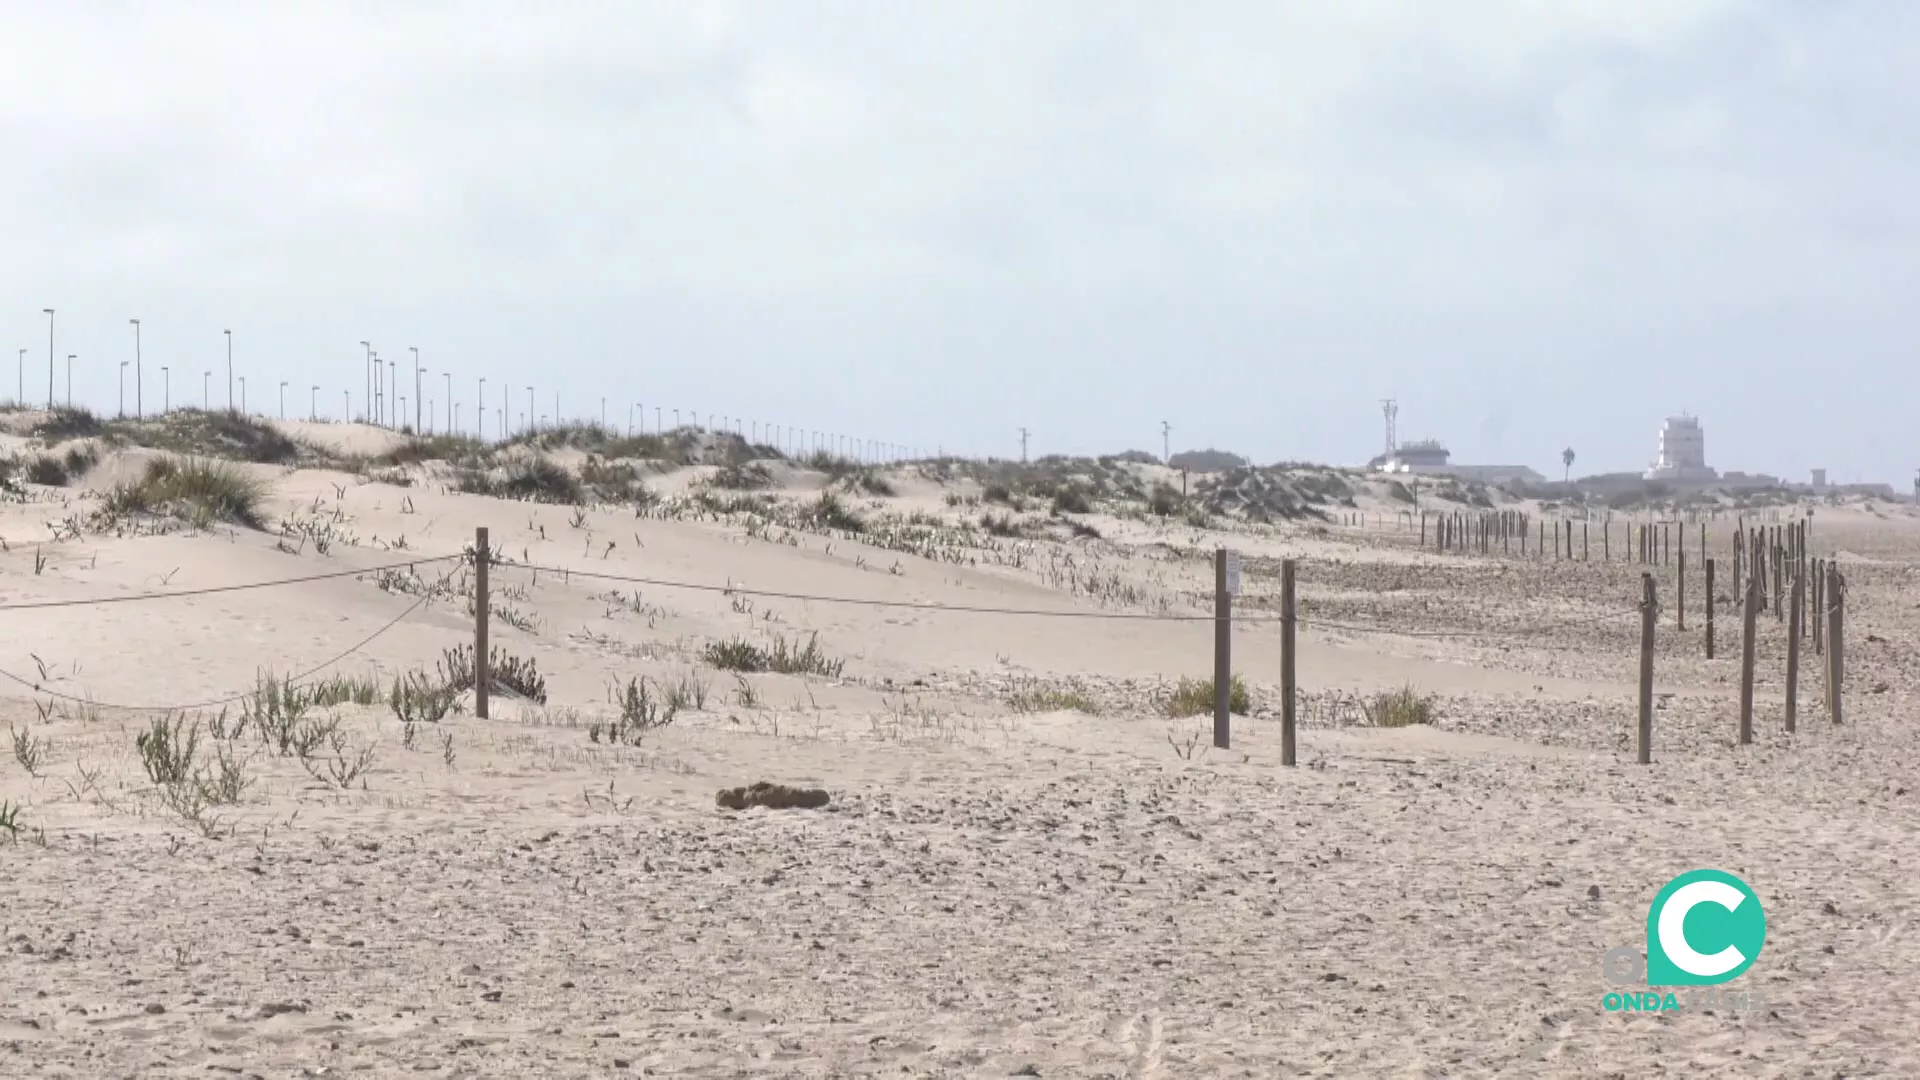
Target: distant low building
{"type": "Point", "coordinates": [1418, 456]}
{"type": "Point", "coordinates": [1427, 457]}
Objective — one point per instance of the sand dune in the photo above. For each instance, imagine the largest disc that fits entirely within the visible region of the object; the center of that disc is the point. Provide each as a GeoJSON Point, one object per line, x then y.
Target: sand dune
{"type": "Point", "coordinates": [1005, 883]}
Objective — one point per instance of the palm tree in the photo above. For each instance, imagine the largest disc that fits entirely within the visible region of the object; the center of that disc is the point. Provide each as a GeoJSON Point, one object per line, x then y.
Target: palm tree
{"type": "Point", "coordinates": [1566, 459]}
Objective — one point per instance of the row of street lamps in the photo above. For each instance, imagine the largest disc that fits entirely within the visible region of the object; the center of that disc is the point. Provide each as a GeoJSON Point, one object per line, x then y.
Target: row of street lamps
{"type": "Point", "coordinates": [386, 406]}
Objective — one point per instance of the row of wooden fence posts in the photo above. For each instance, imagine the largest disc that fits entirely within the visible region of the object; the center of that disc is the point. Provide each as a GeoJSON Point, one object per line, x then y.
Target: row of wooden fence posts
{"type": "Point", "coordinates": [1828, 625]}
{"type": "Point", "coordinates": [1653, 544]}
{"type": "Point", "coordinates": [1829, 606]}
{"type": "Point", "coordinates": [1829, 615]}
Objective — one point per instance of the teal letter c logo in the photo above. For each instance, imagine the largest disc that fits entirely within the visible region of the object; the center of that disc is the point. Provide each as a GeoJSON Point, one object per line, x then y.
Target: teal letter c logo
{"type": "Point", "coordinates": [1705, 927]}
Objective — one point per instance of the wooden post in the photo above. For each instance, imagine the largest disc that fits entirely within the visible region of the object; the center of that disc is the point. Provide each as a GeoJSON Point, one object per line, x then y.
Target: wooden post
{"type": "Point", "coordinates": [1748, 617]}
{"type": "Point", "coordinates": [1819, 619]}
{"type": "Point", "coordinates": [1680, 590]}
{"type": "Point", "coordinates": [1647, 619]}
{"type": "Point", "coordinates": [1709, 609]}
{"type": "Point", "coordinates": [1836, 640]}
{"type": "Point", "coordinates": [482, 555]}
{"type": "Point", "coordinates": [1423, 528]}
{"type": "Point", "coordinates": [1288, 684]}
{"type": "Point", "coordinates": [1222, 653]}
{"type": "Point", "coordinates": [1739, 557]}
{"type": "Point", "coordinates": [1793, 650]}
{"type": "Point", "coordinates": [1780, 568]}
{"type": "Point", "coordinates": [1586, 552]}
{"type": "Point", "coordinates": [1606, 533]}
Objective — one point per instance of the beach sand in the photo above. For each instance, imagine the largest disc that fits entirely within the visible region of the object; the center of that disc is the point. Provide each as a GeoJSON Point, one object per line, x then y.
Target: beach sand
{"type": "Point", "coordinates": [997, 887]}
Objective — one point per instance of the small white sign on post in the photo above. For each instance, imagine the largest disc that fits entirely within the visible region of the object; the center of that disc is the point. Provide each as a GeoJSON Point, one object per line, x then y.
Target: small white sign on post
{"type": "Point", "coordinates": [1233, 573]}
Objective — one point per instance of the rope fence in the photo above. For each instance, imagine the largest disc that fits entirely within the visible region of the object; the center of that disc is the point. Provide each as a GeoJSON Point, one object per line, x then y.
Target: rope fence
{"type": "Point", "coordinates": [1788, 569]}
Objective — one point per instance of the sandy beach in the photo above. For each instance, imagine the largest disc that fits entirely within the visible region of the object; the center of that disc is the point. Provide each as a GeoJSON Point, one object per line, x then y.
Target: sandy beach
{"type": "Point", "coordinates": [1028, 866]}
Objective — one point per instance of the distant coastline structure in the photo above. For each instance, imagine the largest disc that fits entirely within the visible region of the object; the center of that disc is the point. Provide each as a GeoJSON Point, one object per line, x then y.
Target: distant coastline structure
{"type": "Point", "coordinates": [1428, 457]}
{"type": "Point", "coordinates": [1419, 455]}
{"type": "Point", "coordinates": [1683, 452]}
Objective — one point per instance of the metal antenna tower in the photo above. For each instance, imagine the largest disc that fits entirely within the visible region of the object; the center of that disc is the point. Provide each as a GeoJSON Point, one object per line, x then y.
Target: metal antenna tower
{"type": "Point", "coordinates": [1392, 410]}
{"type": "Point", "coordinates": [1166, 450]}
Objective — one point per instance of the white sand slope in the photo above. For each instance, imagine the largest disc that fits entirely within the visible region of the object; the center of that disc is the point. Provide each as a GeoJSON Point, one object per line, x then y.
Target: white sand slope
{"type": "Point", "coordinates": [992, 891]}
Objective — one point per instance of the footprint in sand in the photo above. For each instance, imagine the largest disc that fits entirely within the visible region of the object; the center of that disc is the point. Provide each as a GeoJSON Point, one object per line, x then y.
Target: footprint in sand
{"type": "Point", "coordinates": [1139, 1040]}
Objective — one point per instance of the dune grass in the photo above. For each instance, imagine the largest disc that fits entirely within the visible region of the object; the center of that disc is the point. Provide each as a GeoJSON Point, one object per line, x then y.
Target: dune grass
{"type": "Point", "coordinates": [1404, 707]}
{"type": "Point", "coordinates": [201, 491]}
{"type": "Point", "coordinates": [1194, 697]}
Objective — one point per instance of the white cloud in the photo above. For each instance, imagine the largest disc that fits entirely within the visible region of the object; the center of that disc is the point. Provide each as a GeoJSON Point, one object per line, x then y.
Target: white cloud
{"type": "Point", "coordinates": [1068, 192]}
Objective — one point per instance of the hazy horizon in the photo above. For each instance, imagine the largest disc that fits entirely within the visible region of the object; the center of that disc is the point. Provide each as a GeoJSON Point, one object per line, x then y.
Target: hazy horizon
{"type": "Point", "coordinates": [1534, 226]}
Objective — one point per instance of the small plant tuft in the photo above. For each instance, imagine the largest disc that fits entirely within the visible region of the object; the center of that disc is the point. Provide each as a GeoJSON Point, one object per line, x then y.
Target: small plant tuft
{"type": "Point", "coordinates": [738, 654]}
{"type": "Point", "coordinates": [641, 712]}
{"type": "Point", "coordinates": [1194, 697]}
{"type": "Point", "coordinates": [1404, 707]}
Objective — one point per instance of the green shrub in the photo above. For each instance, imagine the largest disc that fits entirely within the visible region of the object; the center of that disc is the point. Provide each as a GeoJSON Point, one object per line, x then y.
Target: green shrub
{"type": "Point", "coordinates": [48, 470]}
{"type": "Point", "coordinates": [65, 423]}
{"type": "Point", "coordinates": [1071, 500]}
{"type": "Point", "coordinates": [1404, 707]}
{"type": "Point", "coordinates": [1194, 697]}
{"type": "Point", "coordinates": [1164, 501]}
{"type": "Point", "coordinates": [738, 654]}
{"type": "Point", "coordinates": [199, 490]}
{"type": "Point", "coordinates": [829, 512]}
{"type": "Point", "coordinates": [1049, 699]}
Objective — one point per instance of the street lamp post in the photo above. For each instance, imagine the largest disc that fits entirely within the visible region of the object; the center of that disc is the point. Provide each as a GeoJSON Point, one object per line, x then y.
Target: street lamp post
{"type": "Point", "coordinates": [283, 399]}
{"type": "Point", "coordinates": [70, 357]}
{"type": "Point", "coordinates": [393, 393]}
{"type": "Point", "coordinates": [49, 312]}
{"type": "Point", "coordinates": [529, 408]}
{"type": "Point", "coordinates": [166, 390]}
{"type": "Point", "coordinates": [206, 394]}
{"type": "Point", "coordinates": [452, 425]}
{"type": "Point", "coordinates": [139, 379]}
{"type": "Point", "coordinates": [243, 382]}
{"type": "Point", "coordinates": [121, 410]}
{"type": "Point", "coordinates": [480, 411]}
{"type": "Point", "coordinates": [373, 382]}
{"type": "Point", "coordinates": [243, 395]}
{"type": "Point", "coordinates": [313, 403]}
{"type": "Point", "coordinates": [20, 376]}
{"type": "Point", "coordinates": [417, 399]}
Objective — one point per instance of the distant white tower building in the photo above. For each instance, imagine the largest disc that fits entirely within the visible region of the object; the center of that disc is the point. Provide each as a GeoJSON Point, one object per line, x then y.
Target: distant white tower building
{"type": "Point", "coordinates": [1683, 452]}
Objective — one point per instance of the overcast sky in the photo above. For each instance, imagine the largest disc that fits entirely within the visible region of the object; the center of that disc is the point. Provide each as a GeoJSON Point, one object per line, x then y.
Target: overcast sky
{"type": "Point", "coordinates": [1535, 224]}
